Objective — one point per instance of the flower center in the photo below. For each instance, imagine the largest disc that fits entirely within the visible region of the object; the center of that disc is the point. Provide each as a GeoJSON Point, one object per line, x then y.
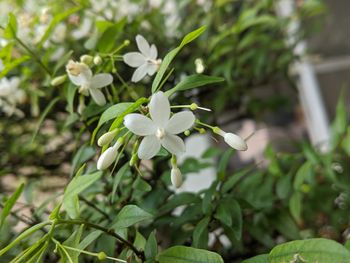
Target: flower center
{"type": "Point", "coordinates": [160, 133]}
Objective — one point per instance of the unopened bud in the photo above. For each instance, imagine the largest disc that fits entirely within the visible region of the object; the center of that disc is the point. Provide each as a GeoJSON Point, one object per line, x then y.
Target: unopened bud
{"type": "Point", "coordinates": [107, 138]}
{"type": "Point", "coordinates": [81, 106]}
{"type": "Point", "coordinates": [107, 158]}
{"type": "Point", "coordinates": [87, 59]}
{"type": "Point", "coordinates": [126, 42]}
{"type": "Point", "coordinates": [97, 60]}
{"type": "Point", "coordinates": [193, 106]}
{"type": "Point", "coordinates": [201, 130]}
{"type": "Point", "coordinates": [133, 160]}
{"type": "Point", "coordinates": [235, 141]}
{"type": "Point", "coordinates": [176, 177]}
{"type": "Point", "coordinates": [58, 80]}
{"type": "Point", "coordinates": [102, 255]}
{"type": "Point", "coordinates": [187, 133]}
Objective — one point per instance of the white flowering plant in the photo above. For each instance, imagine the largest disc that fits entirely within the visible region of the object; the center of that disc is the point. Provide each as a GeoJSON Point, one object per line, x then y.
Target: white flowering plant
{"type": "Point", "coordinates": [102, 175]}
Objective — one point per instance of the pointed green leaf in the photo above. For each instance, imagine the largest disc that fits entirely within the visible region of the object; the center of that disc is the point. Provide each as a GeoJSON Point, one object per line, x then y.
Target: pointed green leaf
{"type": "Point", "coordinates": [130, 215]}
{"type": "Point", "coordinates": [10, 203]}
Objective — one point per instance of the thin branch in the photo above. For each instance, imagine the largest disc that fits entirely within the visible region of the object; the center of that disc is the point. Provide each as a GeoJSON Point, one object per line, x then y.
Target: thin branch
{"type": "Point", "coordinates": [92, 205]}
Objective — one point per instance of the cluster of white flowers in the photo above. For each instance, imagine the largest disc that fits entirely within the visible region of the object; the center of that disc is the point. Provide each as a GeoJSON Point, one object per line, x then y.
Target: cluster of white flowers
{"type": "Point", "coordinates": [145, 61]}
{"type": "Point", "coordinates": [10, 96]}
{"type": "Point", "coordinates": [160, 129]}
{"type": "Point", "coordinates": [81, 75]}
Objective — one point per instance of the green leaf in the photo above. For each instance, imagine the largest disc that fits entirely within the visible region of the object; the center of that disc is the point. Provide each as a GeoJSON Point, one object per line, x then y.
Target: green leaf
{"type": "Point", "coordinates": [10, 203]}
{"type": "Point", "coordinates": [194, 81]}
{"type": "Point", "coordinates": [310, 250]}
{"type": "Point", "coordinates": [75, 187]}
{"type": "Point", "coordinates": [130, 215]}
{"type": "Point", "coordinates": [13, 64]}
{"type": "Point", "coordinates": [117, 178]}
{"type": "Point", "coordinates": [295, 205]}
{"type": "Point", "coordinates": [113, 112]}
{"type": "Point", "coordinates": [151, 247]}
{"type": "Point", "coordinates": [110, 35]}
{"type": "Point", "coordinates": [171, 55]}
{"type": "Point", "coordinates": [182, 254]}
{"type": "Point", "coordinates": [258, 259]}
{"type": "Point", "coordinates": [89, 239]}
{"type": "Point", "coordinates": [43, 116]}
{"type": "Point", "coordinates": [11, 28]}
{"type": "Point", "coordinates": [178, 200]}
{"type": "Point", "coordinates": [73, 241]}
{"type": "Point", "coordinates": [24, 235]}
{"type": "Point", "coordinates": [340, 123]}
{"type": "Point", "coordinates": [200, 233]}
{"type": "Point", "coordinates": [55, 21]}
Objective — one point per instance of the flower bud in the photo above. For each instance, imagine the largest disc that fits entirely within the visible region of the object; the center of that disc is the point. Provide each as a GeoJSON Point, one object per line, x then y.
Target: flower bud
{"type": "Point", "coordinates": [193, 106]}
{"type": "Point", "coordinates": [107, 158]}
{"type": "Point", "coordinates": [176, 177]}
{"type": "Point", "coordinates": [58, 80]}
{"type": "Point", "coordinates": [87, 59]}
{"type": "Point", "coordinates": [107, 138]}
{"type": "Point", "coordinates": [187, 133]}
{"type": "Point", "coordinates": [199, 65]}
{"type": "Point", "coordinates": [97, 60]}
{"type": "Point", "coordinates": [126, 42]}
{"type": "Point", "coordinates": [133, 160]}
{"type": "Point", "coordinates": [235, 141]}
{"type": "Point", "coordinates": [81, 106]}
{"type": "Point", "coordinates": [102, 255]}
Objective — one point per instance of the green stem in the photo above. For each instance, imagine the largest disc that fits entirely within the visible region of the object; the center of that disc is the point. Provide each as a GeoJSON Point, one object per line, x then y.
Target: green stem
{"type": "Point", "coordinates": [110, 232]}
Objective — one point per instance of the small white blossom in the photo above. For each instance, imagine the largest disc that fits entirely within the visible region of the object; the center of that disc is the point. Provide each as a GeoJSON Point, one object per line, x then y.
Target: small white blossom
{"type": "Point", "coordinates": [176, 177]}
{"type": "Point", "coordinates": [161, 129]}
{"type": "Point", "coordinates": [81, 75]}
{"type": "Point", "coordinates": [145, 61]}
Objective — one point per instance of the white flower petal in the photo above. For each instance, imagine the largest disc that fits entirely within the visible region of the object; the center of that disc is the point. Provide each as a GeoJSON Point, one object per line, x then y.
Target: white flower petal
{"type": "Point", "coordinates": [152, 68]}
{"type": "Point", "coordinates": [235, 141]}
{"type": "Point", "coordinates": [149, 147]}
{"type": "Point", "coordinates": [180, 122]}
{"type": "Point", "coordinates": [139, 124]}
{"type": "Point", "coordinates": [159, 108]}
{"type": "Point", "coordinates": [140, 73]}
{"type": "Point", "coordinates": [98, 96]}
{"type": "Point", "coordinates": [174, 144]}
{"type": "Point", "coordinates": [78, 80]}
{"type": "Point", "coordinates": [134, 59]}
{"type": "Point", "coordinates": [143, 45]}
{"type": "Point", "coordinates": [153, 53]}
{"type": "Point", "coordinates": [107, 158]}
{"type": "Point", "coordinates": [101, 80]}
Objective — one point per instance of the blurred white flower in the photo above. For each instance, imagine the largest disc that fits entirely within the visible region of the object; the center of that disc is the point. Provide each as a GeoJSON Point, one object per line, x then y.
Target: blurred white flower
{"type": "Point", "coordinates": [199, 65]}
{"type": "Point", "coordinates": [81, 75]}
{"type": "Point", "coordinates": [1, 65]}
{"type": "Point", "coordinates": [59, 33]}
{"type": "Point", "coordinates": [160, 130]}
{"type": "Point", "coordinates": [84, 29]}
{"type": "Point", "coordinates": [11, 95]}
{"type": "Point", "coordinates": [145, 61]}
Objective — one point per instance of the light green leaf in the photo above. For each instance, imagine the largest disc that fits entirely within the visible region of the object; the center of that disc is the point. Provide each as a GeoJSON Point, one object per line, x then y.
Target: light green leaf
{"type": "Point", "coordinates": [194, 81]}
{"type": "Point", "coordinates": [75, 187]}
{"type": "Point", "coordinates": [310, 250]}
{"type": "Point", "coordinates": [11, 28]}
{"type": "Point", "coordinates": [113, 112]}
{"type": "Point", "coordinates": [10, 203]}
{"type": "Point", "coordinates": [13, 64]}
{"type": "Point", "coordinates": [171, 55]}
{"type": "Point", "coordinates": [182, 254]}
{"type": "Point", "coordinates": [73, 241]}
{"type": "Point", "coordinates": [24, 235]}
{"type": "Point", "coordinates": [89, 239]}
{"type": "Point", "coordinates": [295, 205]}
{"type": "Point", "coordinates": [258, 259]}
{"type": "Point", "coordinates": [130, 215]}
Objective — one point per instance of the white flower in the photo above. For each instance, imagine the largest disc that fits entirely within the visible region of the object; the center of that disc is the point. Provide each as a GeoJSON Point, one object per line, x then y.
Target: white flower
{"type": "Point", "coordinates": [233, 140]}
{"type": "Point", "coordinates": [176, 177]}
{"type": "Point", "coordinates": [81, 75]}
{"type": "Point", "coordinates": [1, 65]}
{"type": "Point", "coordinates": [160, 130]}
{"type": "Point", "coordinates": [11, 95]}
{"type": "Point", "coordinates": [145, 61]}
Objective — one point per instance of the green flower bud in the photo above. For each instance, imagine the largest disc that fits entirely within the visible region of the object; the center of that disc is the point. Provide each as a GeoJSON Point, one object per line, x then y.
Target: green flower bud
{"type": "Point", "coordinates": [187, 133]}
{"type": "Point", "coordinates": [193, 106]}
{"type": "Point", "coordinates": [126, 42]}
{"type": "Point", "coordinates": [133, 160]}
{"type": "Point", "coordinates": [58, 80]}
{"type": "Point", "coordinates": [102, 255]}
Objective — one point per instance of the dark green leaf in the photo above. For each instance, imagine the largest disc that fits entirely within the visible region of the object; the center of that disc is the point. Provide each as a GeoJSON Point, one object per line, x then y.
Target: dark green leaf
{"type": "Point", "coordinates": [200, 233]}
